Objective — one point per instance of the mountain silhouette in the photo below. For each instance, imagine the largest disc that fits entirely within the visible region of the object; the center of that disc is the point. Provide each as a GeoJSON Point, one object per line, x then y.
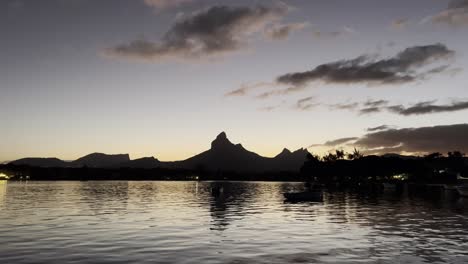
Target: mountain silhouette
{"type": "Point", "coordinates": [101, 160]}
{"type": "Point", "coordinates": [222, 156]}
{"type": "Point", "coordinates": [226, 156]}
{"type": "Point", "coordinates": [288, 159]}
{"type": "Point", "coordinates": [40, 162]}
{"type": "Point", "coordinates": [144, 163]}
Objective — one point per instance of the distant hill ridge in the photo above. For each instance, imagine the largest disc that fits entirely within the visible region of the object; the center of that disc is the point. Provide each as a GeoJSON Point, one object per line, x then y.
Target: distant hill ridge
{"type": "Point", "coordinates": [101, 160]}
{"type": "Point", "coordinates": [222, 156]}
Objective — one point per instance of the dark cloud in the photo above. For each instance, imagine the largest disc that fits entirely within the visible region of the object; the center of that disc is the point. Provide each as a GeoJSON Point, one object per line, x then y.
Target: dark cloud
{"type": "Point", "coordinates": [336, 142]}
{"type": "Point", "coordinates": [406, 66]}
{"type": "Point", "coordinates": [377, 106]}
{"type": "Point", "coordinates": [344, 106]}
{"type": "Point", "coordinates": [372, 106]}
{"type": "Point", "coordinates": [375, 103]}
{"type": "Point", "coordinates": [281, 32]}
{"type": "Point", "coordinates": [364, 69]}
{"type": "Point", "coordinates": [213, 31]}
{"type": "Point", "coordinates": [456, 14]}
{"type": "Point", "coordinates": [306, 103]}
{"type": "Point", "coordinates": [366, 107]}
{"type": "Point", "coordinates": [417, 140]}
{"type": "Point", "coordinates": [247, 88]}
{"type": "Point", "coordinates": [339, 141]}
{"type": "Point", "coordinates": [378, 128]}
{"type": "Point", "coordinates": [369, 110]}
{"type": "Point", "coordinates": [428, 107]}
{"type": "Point", "coordinates": [268, 94]}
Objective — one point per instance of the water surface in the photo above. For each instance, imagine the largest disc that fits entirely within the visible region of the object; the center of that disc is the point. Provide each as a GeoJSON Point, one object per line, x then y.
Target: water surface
{"type": "Point", "coordinates": [181, 222]}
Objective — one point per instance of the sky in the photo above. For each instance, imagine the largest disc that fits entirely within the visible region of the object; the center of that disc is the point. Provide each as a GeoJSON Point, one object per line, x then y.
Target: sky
{"type": "Point", "coordinates": [162, 78]}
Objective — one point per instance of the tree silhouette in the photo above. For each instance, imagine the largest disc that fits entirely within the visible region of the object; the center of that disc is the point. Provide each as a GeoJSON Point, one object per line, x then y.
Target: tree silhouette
{"type": "Point", "coordinates": [355, 155]}
{"type": "Point", "coordinates": [313, 158]}
{"type": "Point", "coordinates": [340, 154]}
{"type": "Point", "coordinates": [433, 156]}
{"type": "Point", "coordinates": [330, 157]}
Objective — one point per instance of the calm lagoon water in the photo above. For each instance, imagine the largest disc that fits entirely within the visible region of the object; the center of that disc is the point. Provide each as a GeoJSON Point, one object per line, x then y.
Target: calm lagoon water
{"type": "Point", "coordinates": [181, 222]}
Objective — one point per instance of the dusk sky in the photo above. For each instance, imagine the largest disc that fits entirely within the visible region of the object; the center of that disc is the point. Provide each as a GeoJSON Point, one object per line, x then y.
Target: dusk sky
{"type": "Point", "coordinates": [162, 78]}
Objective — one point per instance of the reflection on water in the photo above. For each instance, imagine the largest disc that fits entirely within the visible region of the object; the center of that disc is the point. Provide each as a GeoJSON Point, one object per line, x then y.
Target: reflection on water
{"type": "Point", "coordinates": [183, 222]}
{"type": "Point", "coordinates": [3, 190]}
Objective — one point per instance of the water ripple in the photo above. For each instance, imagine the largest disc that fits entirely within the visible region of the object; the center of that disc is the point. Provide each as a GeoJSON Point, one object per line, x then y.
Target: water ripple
{"type": "Point", "coordinates": [181, 222]}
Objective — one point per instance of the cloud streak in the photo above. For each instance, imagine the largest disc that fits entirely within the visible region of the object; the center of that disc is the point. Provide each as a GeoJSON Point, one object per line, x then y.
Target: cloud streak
{"type": "Point", "coordinates": [406, 66]}
{"type": "Point", "coordinates": [378, 128]}
{"type": "Point", "coordinates": [335, 143]}
{"type": "Point", "coordinates": [248, 88]}
{"type": "Point", "coordinates": [364, 69]}
{"type": "Point", "coordinates": [306, 103]}
{"type": "Point", "coordinates": [428, 107]}
{"type": "Point", "coordinates": [344, 106]}
{"type": "Point", "coordinates": [281, 32]}
{"type": "Point", "coordinates": [210, 32]}
{"type": "Point", "coordinates": [417, 140]}
{"type": "Point", "coordinates": [420, 108]}
{"type": "Point", "coordinates": [422, 140]}
{"type": "Point", "coordinates": [372, 106]}
{"type": "Point", "coordinates": [375, 103]}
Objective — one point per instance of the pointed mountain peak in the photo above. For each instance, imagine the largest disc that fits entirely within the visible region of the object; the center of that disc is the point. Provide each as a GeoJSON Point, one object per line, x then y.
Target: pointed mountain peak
{"type": "Point", "coordinates": [222, 135]}
{"type": "Point", "coordinates": [221, 141]}
{"type": "Point", "coordinates": [301, 150]}
{"type": "Point", "coordinates": [286, 151]}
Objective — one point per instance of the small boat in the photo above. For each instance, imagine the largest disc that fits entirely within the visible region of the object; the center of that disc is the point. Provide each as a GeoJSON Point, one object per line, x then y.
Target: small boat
{"type": "Point", "coordinates": [311, 196]}
{"type": "Point", "coordinates": [462, 190]}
